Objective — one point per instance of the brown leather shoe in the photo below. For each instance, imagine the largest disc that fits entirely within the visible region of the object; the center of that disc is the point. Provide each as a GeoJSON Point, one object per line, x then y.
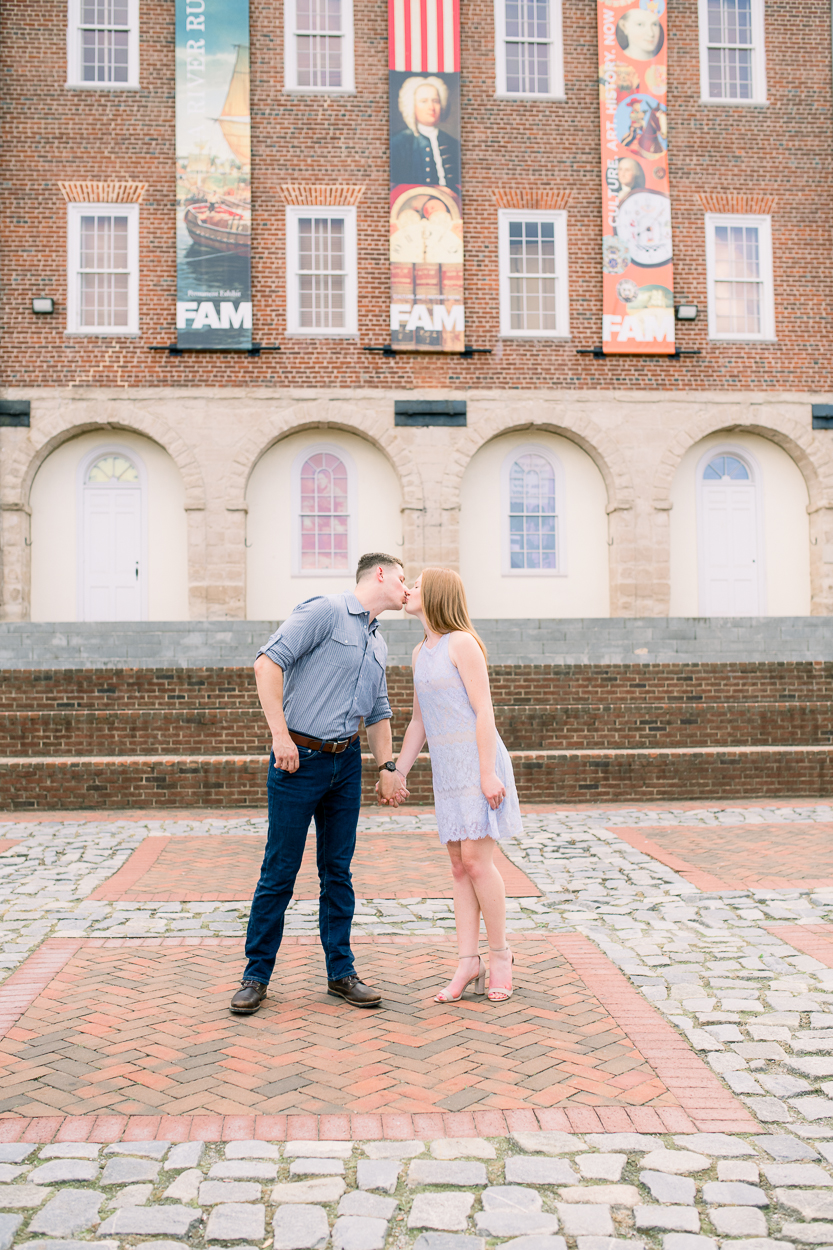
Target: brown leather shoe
{"type": "Point", "coordinates": [354, 991]}
{"type": "Point", "coordinates": [248, 998]}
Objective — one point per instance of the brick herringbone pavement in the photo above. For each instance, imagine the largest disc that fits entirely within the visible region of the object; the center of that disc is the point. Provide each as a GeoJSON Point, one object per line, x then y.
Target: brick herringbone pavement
{"type": "Point", "coordinates": [144, 1028]}
{"type": "Point", "coordinates": [742, 857]}
{"type": "Point", "coordinates": [225, 869]}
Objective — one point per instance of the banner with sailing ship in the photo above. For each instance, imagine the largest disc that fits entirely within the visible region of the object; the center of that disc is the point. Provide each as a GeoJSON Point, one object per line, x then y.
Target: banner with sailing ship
{"type": "Point", "coordinates": [426, 207]}
{"type": "Point", "coordinates": [637, 266]}
{"type": "Point", "coordinates": [213, 175]}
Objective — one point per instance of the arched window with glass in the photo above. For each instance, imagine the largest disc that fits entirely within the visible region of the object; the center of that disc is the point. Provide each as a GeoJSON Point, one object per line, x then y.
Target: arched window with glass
{"type": "Point", "coordinates": [531, 513]}
{"type": "Point", "coordinates": [324, 507]}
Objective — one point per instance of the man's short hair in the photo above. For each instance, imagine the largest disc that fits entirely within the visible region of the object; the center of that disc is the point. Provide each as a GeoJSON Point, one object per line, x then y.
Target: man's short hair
{"type": "Point", "coordinates": [373, 559]}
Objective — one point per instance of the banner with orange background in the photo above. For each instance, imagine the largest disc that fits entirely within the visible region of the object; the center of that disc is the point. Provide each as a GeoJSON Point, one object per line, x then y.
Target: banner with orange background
{"type": "Point", "coordinates": [638, 277]}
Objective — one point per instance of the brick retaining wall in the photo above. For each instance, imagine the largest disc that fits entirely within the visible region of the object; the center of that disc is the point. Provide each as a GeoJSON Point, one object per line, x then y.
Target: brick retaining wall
{"type": "Point", "coordinates": [189, 737]}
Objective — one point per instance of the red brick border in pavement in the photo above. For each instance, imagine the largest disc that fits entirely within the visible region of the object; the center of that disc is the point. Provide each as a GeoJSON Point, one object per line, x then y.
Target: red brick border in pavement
{"type": "Point", "coordinates": [813, 939]}
{"type": "Point", "coordinates": [648, 1046]}
{"type": "Point", "coordinates": [756, 856]}
{"type": "Point", "coordinates": [389, 864]}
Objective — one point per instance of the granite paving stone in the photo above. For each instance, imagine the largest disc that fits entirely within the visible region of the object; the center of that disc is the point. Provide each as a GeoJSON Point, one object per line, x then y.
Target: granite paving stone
{"type": "Point", "coordinates": [135, 1196]}
{"type": "Point", "coordinates": [432, 1172]}
{"type": "Point", "coordinates": [462, 1148]}
{"type": "Point", "coordinates": [528, 1170]}
{"type": "Point", "coordinates": [250, 1150]}
{"type": "Point", "coordinates": [449, 1241]}
{"type": "Point", "coordinates": [127, 1171]}
{"type": "Point", "coordinates": [811, 1234]}
{"type": "Point", "coordinates": [173, 1219]}
{"type": "Point", "coordinates": [235, 1221]}
{"type": "Point", "coordinates": [610, 1195]}
{"type": "Point", "coordinates": [70, 1243]}
{"type": "Point", "coordinates": [394, 1150]}
{"type": "Point", "coordinates": [188, 1154]}
{"type": "Point", "coordinates": [318, 1150]}
{"type": "Point", "coordinates": [675, 1162]}
{"type": "Point", "coordinates": [734, 1193]}
{"type": "Point", "coordinates": [359, 1232]}
{"type": "Point", "coordinates": [212, 1192]}
{"type": "Point", "coordinates": [301, 1227]}
{"type": "Point", "coordinates": [8, 1172]}
{"type": "Point", "coordinates": [507, 1223]}
{"type": "Point", "coordinates": [602, 1167]}
{"type": "Point", "coordinates": [316, 1167]}
{"type": "Point", "coordinates": [373, 1206]}
{"type": "Point", "coordinates": [680, 1219]}
{"type": "Point", "coordinates": [447, 1212]}
{"type": "Point", "coordinates": [739, 1222]}
{"type": "Point", "coordinates": [63, 1170]}
{"type": "Point", "coordinates": [378, 1174]}
{"type": "Point", "coordinates": [583, 1219]}
{"type": "Point", "coordinates": [186, 1187]}
{"type": "Point", "coordinates": [796, 1174]}
{"type": "Point", "coordinates": [541, 1241]}
{"type": "Point", "coordinates": [22, 1196]}
{"type": "Point", "coordinates": [68, 1150]}
{"type": "Point", "coordinates": [672, 1189]}
{"type": "Point", "coordinates": [510, 1198]}
{"type": "Point", "coordinates": [688, 1241]}
{"type": "Point", "coordinates": [248, 1170]}
{"type": "Point", "coordinates": [813, 1204]}
{"type": "Point", "coordinates": [149, 1149]}
{"type": "Point", "coordinates": [16, 1152]}
{"type": "Point", "coordinates": [324, 1189]}
{"type": "Point", "coordinates": [70, 1211]}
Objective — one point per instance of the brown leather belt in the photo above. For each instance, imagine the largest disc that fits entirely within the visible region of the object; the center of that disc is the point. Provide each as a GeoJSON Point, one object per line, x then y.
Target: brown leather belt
{"type": "Point", "coordinates": [315, 744]}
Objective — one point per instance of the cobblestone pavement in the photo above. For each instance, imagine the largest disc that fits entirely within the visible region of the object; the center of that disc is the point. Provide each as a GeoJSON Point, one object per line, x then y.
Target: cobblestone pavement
{"type": "Point", "coordinates": [731, 971]}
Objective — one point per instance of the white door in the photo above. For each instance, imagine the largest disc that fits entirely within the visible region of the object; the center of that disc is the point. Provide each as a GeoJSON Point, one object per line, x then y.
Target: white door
{"type": "Point", "coordinates": [112, 546]}
{"type": "Point", "coordinates": [729, 533]}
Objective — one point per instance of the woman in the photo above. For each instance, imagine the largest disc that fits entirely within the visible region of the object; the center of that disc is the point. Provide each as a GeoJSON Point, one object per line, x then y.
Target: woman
{"type": "Point", "coordinates": [640, 34]}
{"type": "Point", "coordinates": [474, 789]}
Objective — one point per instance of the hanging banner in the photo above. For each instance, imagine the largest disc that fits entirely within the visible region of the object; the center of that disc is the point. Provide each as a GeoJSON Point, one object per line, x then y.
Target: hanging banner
{"type": "Point", "coordinates": [638, 281]}
{"type": "Point", "coordinates": [426, 207]}
{"type": "Point", "coordinates": [213, 175]}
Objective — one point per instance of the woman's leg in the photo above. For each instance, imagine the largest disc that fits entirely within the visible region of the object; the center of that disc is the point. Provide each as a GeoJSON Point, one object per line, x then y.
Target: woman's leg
{"type": "Point", "coordinates": [477, 857]}
{"type": "Point", "coordinates": [467, 919]}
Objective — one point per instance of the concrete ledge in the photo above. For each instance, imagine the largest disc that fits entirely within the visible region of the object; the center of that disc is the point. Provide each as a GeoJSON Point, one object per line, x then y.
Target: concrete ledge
{"type": "Point", "coordinates": [73, 783]}
{"type": "Point", "coordinates": [615, 640]}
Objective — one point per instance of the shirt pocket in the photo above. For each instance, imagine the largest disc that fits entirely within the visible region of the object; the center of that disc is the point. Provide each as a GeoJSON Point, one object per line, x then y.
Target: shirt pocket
{"type": "Point", "coordinates": [341, 652]}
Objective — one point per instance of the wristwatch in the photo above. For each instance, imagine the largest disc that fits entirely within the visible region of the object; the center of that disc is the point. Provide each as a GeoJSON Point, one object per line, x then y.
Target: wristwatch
{"type": "Point", "coordinates": [389, 765]}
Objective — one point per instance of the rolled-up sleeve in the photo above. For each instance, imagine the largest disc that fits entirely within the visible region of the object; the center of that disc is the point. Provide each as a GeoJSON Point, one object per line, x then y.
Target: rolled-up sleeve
{"type": "Point", "coordinates": [303, 630]}
{"type": "Point", "coordinates": [381, 708]}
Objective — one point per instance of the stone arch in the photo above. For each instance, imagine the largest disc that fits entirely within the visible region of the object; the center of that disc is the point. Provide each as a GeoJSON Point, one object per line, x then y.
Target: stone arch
{"type": "Point", "coordinates": [322, 415]}
{"type": "Point", "coordinates": [56, 429]}
{"type": "Point", "coordinates": [813, 459]}
{"type": "Point", "coordinates": [600, 446]}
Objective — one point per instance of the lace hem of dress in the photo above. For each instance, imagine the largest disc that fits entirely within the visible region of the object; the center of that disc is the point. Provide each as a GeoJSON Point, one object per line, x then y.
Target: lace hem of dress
{"type": "Point", "coordinates": [464, 835]}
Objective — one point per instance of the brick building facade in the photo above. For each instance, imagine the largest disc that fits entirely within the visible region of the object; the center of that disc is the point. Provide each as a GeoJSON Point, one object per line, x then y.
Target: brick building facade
{"type": "Point", "coordinates": [216, 437]}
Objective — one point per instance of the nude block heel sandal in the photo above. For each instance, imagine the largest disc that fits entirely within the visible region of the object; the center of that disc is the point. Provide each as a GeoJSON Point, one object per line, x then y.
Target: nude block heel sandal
{"type": "Point", "coordinates": [498, 994]}
{"type": "Point", "coordinates": [479, 980]}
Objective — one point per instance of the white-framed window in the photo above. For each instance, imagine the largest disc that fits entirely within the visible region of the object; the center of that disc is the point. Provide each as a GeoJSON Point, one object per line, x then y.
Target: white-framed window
{"type": "Point", "coordinates": [103, 268]}
{"type": "Point", "coordinates": [112, 537]}
{"type": "Point", "coordinates": [534, 292]}
{"type": "Point", "coordinates": [532, 508]}
{"type": "Point", "coordinates": [103, 43]}
{"type": "Point", "coordinates": [323, 512]}
{"type": "Point", "coordinates": [318, 46]}
{"type": "Point", "coordinates": [529, 50]}
{"type": "Point", "coordinates": [739, 272]}
{"type": "Point", "coordinates": [321, 271]}
{"type": "Point", "coordinates": [732, 60]}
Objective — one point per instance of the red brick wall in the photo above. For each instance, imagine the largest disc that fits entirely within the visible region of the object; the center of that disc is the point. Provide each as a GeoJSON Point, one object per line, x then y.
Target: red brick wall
{"type": "Point", "coordinates": [52, 133]}
{"type": "Point", "coordinates": [546, 707]}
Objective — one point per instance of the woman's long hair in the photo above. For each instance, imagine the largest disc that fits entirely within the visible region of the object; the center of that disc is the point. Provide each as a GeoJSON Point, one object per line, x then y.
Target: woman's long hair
{"type": "Point", "coordinates": [444, 604]}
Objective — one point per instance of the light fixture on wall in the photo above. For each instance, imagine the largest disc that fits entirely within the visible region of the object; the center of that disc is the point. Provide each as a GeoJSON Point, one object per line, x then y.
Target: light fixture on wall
{"type": "Point", "coordinates": [686, 312]}
{"type": "Point", "coordinates": [43, 304]}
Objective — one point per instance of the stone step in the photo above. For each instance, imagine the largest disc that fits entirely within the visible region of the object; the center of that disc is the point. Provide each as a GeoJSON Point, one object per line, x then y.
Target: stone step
{"type": "Point", "coordinates": [66, 783]}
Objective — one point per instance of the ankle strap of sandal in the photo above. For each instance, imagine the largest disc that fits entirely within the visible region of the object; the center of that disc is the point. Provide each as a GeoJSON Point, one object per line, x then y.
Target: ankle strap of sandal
{"type": "Point", "coordinates": [501, 951]}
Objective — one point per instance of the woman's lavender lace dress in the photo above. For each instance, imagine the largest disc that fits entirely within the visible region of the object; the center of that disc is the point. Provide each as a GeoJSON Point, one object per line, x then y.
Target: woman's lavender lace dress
{"type": "Point", "coordinates": [449, 719]}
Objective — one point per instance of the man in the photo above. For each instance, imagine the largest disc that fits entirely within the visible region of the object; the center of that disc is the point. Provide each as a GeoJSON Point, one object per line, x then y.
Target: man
{"type": "Point", "coordinates": [317, 677]}
{"type": "Point", "coordinates": [422, 154]}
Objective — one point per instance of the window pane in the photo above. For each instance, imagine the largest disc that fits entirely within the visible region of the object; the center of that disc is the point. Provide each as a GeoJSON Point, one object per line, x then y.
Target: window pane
{"type": "Point", "coordinates": [324, 520]}
{"type": "Point", "coordinates": [738, 292]}
{"type": "Point", "coordinates": [730, 49]}
{"type": "Point", "coordinates": [532, 520]}
{"type": "Point", "coordinates": [532, 280]}
{"type": "Point", "coordinates": [103, 280]}
{"type": "Point", "coordinates": [528, 46]}
{"type": "Point", "coordinates": [321, 273]}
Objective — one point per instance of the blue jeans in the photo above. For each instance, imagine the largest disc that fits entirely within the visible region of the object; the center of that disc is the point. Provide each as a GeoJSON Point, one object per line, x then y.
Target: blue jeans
{"type": "Point", "coordinates": [327, 788]}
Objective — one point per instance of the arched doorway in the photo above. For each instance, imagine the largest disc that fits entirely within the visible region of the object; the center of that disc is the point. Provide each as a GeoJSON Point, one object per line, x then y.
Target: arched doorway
{"type": "Point", "coordinates": [730, 534]}
{"type": "Point", "coordinates": [112, 547]}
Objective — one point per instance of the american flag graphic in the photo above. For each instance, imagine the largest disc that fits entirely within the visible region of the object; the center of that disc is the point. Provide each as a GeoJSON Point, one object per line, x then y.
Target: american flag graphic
{"type": "Point", "coordinates": [424, 35]}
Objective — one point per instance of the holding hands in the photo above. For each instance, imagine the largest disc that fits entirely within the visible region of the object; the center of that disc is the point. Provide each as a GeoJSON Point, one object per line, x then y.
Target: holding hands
{"type": "Point", "coordinates": [391, 789]}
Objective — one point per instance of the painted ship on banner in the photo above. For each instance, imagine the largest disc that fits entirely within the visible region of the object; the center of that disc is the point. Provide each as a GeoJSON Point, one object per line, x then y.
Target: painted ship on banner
{"type": "Point", "coordinates": [224, 223]}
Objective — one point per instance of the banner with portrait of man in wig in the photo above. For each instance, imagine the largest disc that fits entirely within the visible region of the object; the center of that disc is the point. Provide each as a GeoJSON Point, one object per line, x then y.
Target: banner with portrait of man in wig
{"type": "Point", "coordinates": [426, 208]}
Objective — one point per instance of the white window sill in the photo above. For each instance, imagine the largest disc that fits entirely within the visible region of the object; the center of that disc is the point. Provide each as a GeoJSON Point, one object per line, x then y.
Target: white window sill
{"type": "Point", "coordinates": [533, 573]}
{"type": "Point", "coordinates": [552, 97]}
{"type": "Point", "coordinates": [742, 338]}
{"type": "Point", "coordinates": [323, 334]}
{"type": "Point", "coordinates": [345, 573]}
{"type": "Point", "coordinates": [320, 91]}
{"type": "Point", "coordinates": [102, 333]}
{"type": "Point", "coordinates": [102, 86]}
{"type": "Point", "coordinates": [556, 337]}
{"type": "Point", "coordinates": [728, 103]}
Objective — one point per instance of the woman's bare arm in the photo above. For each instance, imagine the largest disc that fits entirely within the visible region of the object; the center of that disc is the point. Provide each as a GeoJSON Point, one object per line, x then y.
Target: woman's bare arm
{"type": "Point", "coordinates": [468, 659]}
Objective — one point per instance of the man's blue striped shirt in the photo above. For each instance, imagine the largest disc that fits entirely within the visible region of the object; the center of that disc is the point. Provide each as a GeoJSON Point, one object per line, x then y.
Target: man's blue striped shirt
{"type": "Point", "coordinates": [333, 661]}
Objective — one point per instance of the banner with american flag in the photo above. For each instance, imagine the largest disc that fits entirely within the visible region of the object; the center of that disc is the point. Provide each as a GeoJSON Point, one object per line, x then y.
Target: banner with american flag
{"type": "Point", "coordinates": [426, 208]}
